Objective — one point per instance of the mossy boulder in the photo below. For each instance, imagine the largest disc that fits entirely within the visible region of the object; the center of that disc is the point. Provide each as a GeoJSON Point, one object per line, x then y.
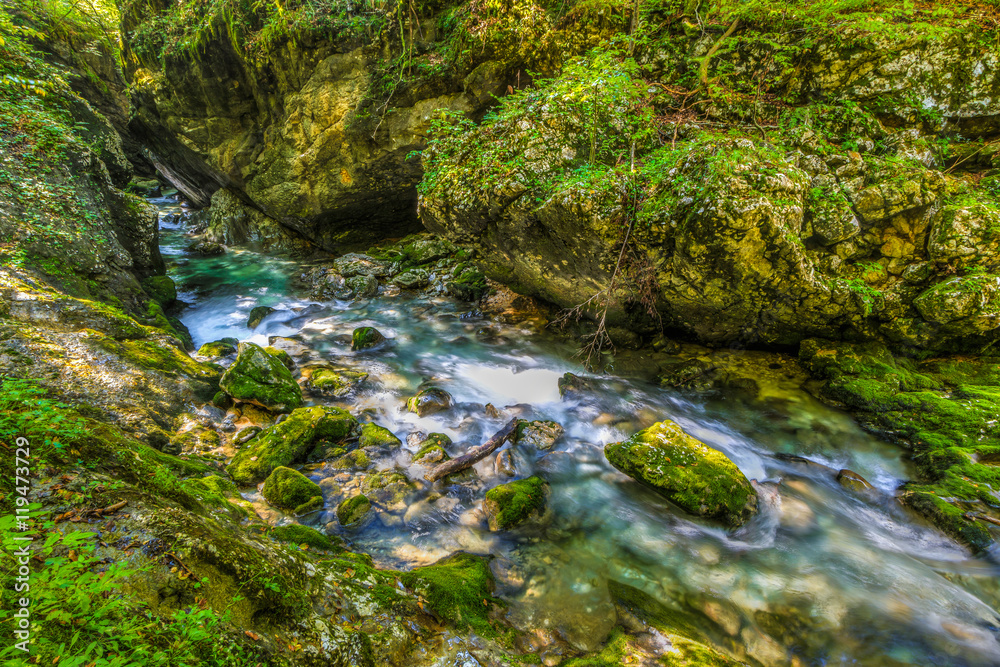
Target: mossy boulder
{"type": "Point", "coordinates": [687, 472]}
{"type": "Point", "coordinates": [515, 503]}
{"type": "Point", "coordinates": [430, 249]}
{"type": "Point", "coordinates": [219, 348]}
{"type": "Point", "coordinates": [261, 379]}
{"type": "Point", "coordinates": [538, 434]}
{"type": "Point", "coordinates": [289, 442]}
{"type": "Point", "coordinates": [971, 303]}
{"type": "Point", "coordinates": [356, 459]}
{"type": "Point", "coordinates": [257, 315]}
{"type": "Point", "coordinates": [356, 264]}
{"type": "Point", "coordinates": [366, 337]}
{"type": "Point", "coordinates": [291, 490]}
{"type": "Point", "coordinates": [335, 382]}
{"type": "Point", "coordinates": [353, 511]}
{"type": "Point", "coordinates": [282, 356]}
{"type": "Point", "coordinates": [363, 287]}
{"type": "Point", "coordinates": [459, 589]}
{"type": "Point", "coordinates": [429, 401]}
{"type": "Point", "coordinates": [161, 288]}
{"type": "Point", "coordinates": [195, 440]}
{"type": "Point", "coordinates": [412, 279]}
{"type": "Point", "coordinates": [377, 437]}
{"type": "Point", "coordinates": [468, 283]}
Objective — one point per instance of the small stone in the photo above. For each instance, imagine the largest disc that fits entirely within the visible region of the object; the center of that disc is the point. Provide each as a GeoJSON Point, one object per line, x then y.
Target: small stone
{"type": "Point", "coordinates": [541, 435]}
{"type": "Point", "coordinates": [854, 482]}
{"type": "Point", "coordinates": [429, 401]}
{"type": "Point", "coordinates": [504, 464]}
{"type": "Point", "coordinates": [364, 338]}
{"type": "Point", "coordinates": [515, 503]}
{"type": "Point", "coordinates": [257, 315]}
{"type": "Point", "coordinates": [353, 511]}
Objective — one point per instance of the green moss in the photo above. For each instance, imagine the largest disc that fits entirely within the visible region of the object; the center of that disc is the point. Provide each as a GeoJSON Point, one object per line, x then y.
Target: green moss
{"type": "Point", "coordinates": [299, 534]}
{"type": "Point", "coordinates": [390, 486]}
{"type": "Point", "coordinates": [290, 489]}
{"type": "Point", "coordinates": [431, 452]}
{"type": "Point", "coordinates": [198, 438]}
{"type": "Point", "coordinates": [356, 459]}
{"type": "Point", "coordinates": [429, 401]}
{"type": "Point", "coordinates": [289, 442]}
{"type": "Point", "coordinates": [218, 348]}
{"type": "Point", "coordinates": [689, 473]}
{"type": "Point", "coordinates": [366, 337]}
{"type": "Point", "coordinates": [373, 435]}
{"type": "Point", "coordinates": [262, 379]}
{"type": "Point", "coordinates": [353, 510]}
{"type": "Point", "coordinates": [160, 288]}
{"type": "Point", "coordinates": [512, 504]}
{"type": "Point", "coordinates": [336, 383]}
{"type": "Point", "coordinates": [459, 589]}
{"type": "Point", "coordinates": [282, 356]}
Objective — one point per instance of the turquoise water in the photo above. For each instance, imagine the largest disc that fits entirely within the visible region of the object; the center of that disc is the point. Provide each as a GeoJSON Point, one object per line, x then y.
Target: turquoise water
{"type": "Point", "coordinates": [820, 577]}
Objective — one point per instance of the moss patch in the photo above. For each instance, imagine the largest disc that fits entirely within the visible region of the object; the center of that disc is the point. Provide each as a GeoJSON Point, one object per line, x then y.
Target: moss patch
{"type": "Point", "coordinates": [511, 505]}
{"type": "Point", "coordinates": [290, 489]}
{"type": "Point", "coordinates": [353, 510]}
{"type": "Point", "coordinates": [261, 379]}
{"type": "Point", "coordinates": [459, 589]}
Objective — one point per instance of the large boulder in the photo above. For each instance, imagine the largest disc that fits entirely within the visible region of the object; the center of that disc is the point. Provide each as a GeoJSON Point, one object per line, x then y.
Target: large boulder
{"type": "Point", "coordinates": [687, 472]}
{"type": "Point", "coordinates": [289, 442]}
{"type": "Point", "coordinates": [262, 379]}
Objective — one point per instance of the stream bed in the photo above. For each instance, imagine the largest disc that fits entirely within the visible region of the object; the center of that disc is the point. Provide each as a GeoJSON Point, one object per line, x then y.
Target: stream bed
{"type": "Point", "coordinates": [821, 576]}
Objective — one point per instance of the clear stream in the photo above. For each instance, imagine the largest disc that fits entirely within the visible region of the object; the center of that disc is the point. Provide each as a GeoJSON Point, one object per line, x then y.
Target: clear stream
{"type": "Point", "coordinates": [821, 576]}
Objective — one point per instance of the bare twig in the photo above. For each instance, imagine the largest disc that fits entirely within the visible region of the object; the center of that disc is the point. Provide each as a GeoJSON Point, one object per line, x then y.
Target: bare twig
{"type": "Point", "coordinates": [474, 455]}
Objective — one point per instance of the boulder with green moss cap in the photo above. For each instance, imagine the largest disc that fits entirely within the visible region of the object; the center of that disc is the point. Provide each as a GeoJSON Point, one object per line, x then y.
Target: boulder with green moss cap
{"type": "Point", "coordinates": [687, 472]}
{"type": "Point", "coordinates": [387, 487]}
{"type": "Point", "coordinates": [289, 442]}
{"type": "Point", "coordinates": [353, 511]}
{"type": "Point", "coordinates": [515, 503]}
{"type": "Point", "coordinates": [261, 379]}
{"type": "Point", "coordinates": [218, 348]}
{"type": "Point", "coordinates": [377, 437]}
{"type": "Point", "coordinates": [335, 382]}
{"type": "Point", "coordinates": [291, 490]}
{"type": "Point", "coordinates": [429, 401]}
{"type": "Point", "coordinates": [257, 315]}
{"type": "Point", "coordinates": [366, 337]}
{"type": "Point", "coordinates": [538, 434]}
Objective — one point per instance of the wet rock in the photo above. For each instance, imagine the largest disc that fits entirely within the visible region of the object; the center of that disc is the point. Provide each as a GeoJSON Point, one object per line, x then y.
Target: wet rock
{"type": "Point", "coordinates": [294, 347]}
{"type": "Point", "coordinates": [491, 411]}
{"type": "Point", "coordinates": [689, 473]}
{"type": "Point", "coordinates": [246, 435]}
{"type": "Point", "coordinates": [971, 303]}
{"type": "Point", "coordinates": [338, 383]}
{"type": "Point", "coordinates": [574, 387]}
{"type": "Point", "coordinates": [261, 379]}
{"type": "Point", "coordinates": [468, 284]}
{"type": "Point", "coordinates": [289, 442]}
{"type": "Point", "coordinates": [541, 435]}
{"type": "Point", "coordinates": [425, 250]}
{"type": "Point", "coordinates": [363, 287]}
{"type": "Point", "coordinates": [412, 279]}
{"type": "Point", "coordinates": [223, 401]}
{"type": "Point", "coordinates": [504, 464]}
{"type": "Point", "coordinates": [685, 373]}
{"type": "Point", "coordinates": [282, 356]}
{"type": "Point", "coordinates": [356, 459]}
{"type": "Point", "coordinates": [292, 490]}
{"type": "Point", "coordinates": [193, 437]}
{"type": "Point", "coordinates": [796, 516]}
{"type": "Point", "coordinates": [207, 248]}
{"type": "Point", "coordinates": [161, 289]}
{"type": "Point", "coordinates": [354, 511]}
{"type": "Point", "coordinates": [355, 264]}
{"type": "Point", "coordinates": [257, 315]}
{"type": "Point", "coordinates": [513, 504]}
{"type": "Point", "coordinates": [432, 449]}
{"type": "Point", "coordinates": [364, 338]}
{"type": "Point", "coordinates": [429, 401]}
{"type": "Point", "coordinates": [219, 348]}
{"type": "Point", "coordinates": [854, 482]}
{"type": "Point", "coordinates": [458, 587]}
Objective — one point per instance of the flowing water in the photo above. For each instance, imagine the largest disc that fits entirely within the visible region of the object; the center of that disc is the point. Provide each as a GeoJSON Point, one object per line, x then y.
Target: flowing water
{"type": "Point", "coordinates": [821, 575]}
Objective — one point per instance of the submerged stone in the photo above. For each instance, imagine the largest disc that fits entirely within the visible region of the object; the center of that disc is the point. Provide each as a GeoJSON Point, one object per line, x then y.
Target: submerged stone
{"type": "Point", "coordinates": [854, 482]}
{"type": "Point", "coordinates": [366, 337]}
{"type": "Point", "coordinates": [261, 379]}
{"type": "Point", "coordinates": [429, 401]}
{"type": "Point", "coordinates": [687, 472]}
{"type": "Point", "coordinates": [574, 387]}
{"type": "Point", "coordinates": [388, 487]}
{"type": "Point", "coordinates": [291, 441]}
{"type": "Point", "coordinates": [515, 503]}
{"type": "Point", "coordinates": [291, 490]}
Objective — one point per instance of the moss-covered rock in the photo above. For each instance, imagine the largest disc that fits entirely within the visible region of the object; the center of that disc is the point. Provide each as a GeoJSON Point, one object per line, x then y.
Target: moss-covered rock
{"type": "Point", "coordinates": [429, 401]}
{"type": "Point", "coordinates": [378, 437]}
{"type": "Point", "coordinates": [335, 382]}
{"type": "Point", "coordinates": [428, 249]}
{"type": "Point", "coordinates": [261, 379]}
{"type": "Point", "coordinates": [459, 589]}
{"type": "Point", "coordinates": [161, 288]}
{"type": "Point", "coordinates": [289, 442]}
{"type": "Point", "coordinates": [353, 511]}
{"type": "Point", "coordinates": [291, 490]}
{"type": "Point", "coordinates": [366, 337]}
{"type": "Point", "coordinates": [219, 348]}
{"type": "Point", "coordinates": [689, 473]}
{"type": "Point", "coordinates": [412, 279]}
{"type": "Point", "coordinates": [304, 535]}
{"type": "Point", "coordinates": [257, 314]}
{"type": "Point", "coordinates": [468, 283]}
{"type": "Point", "coordinates": [515, 503]}
{"type": "Point", "coordinates": [362, 287]}
{"type": "Point", "coordinates": [432, 449]}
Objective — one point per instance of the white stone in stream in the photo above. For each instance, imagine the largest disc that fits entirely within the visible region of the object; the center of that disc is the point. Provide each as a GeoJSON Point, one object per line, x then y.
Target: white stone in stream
{"type": "Point", "coordinates": [796, 516]}
{"type": "Point", "coordinates": [723, 616]}
{"type": "Point", "coordinates": [416, 556]}
{"type": "Point", "coordinates": [763, 648]}
{"type": "Point", "coordinates": [472, 518]}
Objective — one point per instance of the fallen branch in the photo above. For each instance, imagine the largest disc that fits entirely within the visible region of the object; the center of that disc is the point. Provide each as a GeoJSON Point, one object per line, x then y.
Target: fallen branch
{"type": "Point", "coordinates": [474, 455]}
